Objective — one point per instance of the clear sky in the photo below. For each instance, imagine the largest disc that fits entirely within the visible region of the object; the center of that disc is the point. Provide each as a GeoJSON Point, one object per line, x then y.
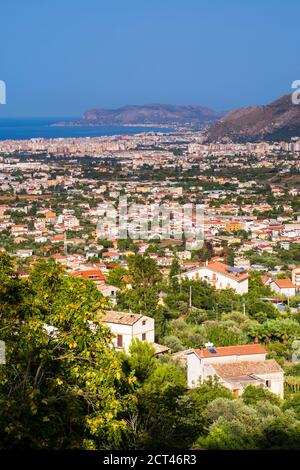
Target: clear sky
{"type": "Point", "coordinates": [62, 57]}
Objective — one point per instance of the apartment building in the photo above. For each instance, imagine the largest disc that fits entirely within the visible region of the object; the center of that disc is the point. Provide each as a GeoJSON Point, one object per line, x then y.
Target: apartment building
{"type": "Point", "coordinates": [221, 276]}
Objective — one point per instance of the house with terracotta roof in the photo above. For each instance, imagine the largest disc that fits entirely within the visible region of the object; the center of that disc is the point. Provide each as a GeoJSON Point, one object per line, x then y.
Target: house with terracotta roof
{"type": "Point", "coordinates": [266, 280]}
{"type": "Point", "coordinates": [236, 367]}
{"type": "Point", "coordinates": [91, 274]}
{"type": "Point", "coordinates": [127, 326]}
{"type": "Point", "coordinates": [50, 217]}
{"type": "Point", "coordinates": [284, 287]}
{"type": "Point", "coordinates": [20, 229]}
{"type": "Point", "coordinates": [220, 275]}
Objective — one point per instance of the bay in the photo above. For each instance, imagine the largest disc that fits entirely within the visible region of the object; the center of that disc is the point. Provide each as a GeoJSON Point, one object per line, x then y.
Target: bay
{"type": "Point", "coordinates": [29, 128]}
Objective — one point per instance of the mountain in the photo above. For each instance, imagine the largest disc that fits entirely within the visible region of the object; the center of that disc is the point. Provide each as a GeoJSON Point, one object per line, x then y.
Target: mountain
{"type": "Point", "coordinates": [279, 120]}
{"type": "Point", "coordinates": [159, 114]}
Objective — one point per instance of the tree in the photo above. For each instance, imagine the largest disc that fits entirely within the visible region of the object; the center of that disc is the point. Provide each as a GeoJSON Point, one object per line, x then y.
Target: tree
{"type": "Point", "coordinates": [228, 435]}
{"type": "Point", "coordinates": [203, 295]}
{"type": "Point", "coordinates": [173, 343]}
{"type": "Point", "coordinates": [230, 410]}
{"type": "Point", "coordinates": [116, 276]}
{"type": "Point", "coordinates": [152, 410]}
{"type": "Point", "coordinates": [229, 258]}
{"type": "Point", "coordinates": [105, 243]}
{"type": "Point", "coordinates": [252, 395]}
{"type": "Point", "coordinates": [260, 309]}
{"type": "Point", "coordinates": [145, 282]}
{"type": "Point", "coordinates": [190, 336]}
{"type": "Point", "coordinates": [233, 425]}
{"type": "Point", "coordinates": [293, 403]}
{"type": "Point", "coordinates": [127, 244]}
{"type": "Point", "coordinates": [144, 272]}
{"type": "Point", "coordinates": [282, 433]}
{"type": "Point", "coordinates": [281, 329]}
{"type": "Point", "coordinates": [256, 286]}
{"type": "Point", "coordinates": [196, 402]}
{"type": "Point", "coordinates": [141, 359]}
{"type": "Point", "coordinates": [205, 253]}
{"type": "Point", "coordinates": [174, 273]}
{"type": "Point", "coordinates": [59, 386]}
{"type": "Point", "coordinates": [222, 334]}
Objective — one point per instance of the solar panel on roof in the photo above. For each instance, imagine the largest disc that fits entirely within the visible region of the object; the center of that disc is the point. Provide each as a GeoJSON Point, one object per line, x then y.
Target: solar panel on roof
{"type": "Point", "coordinates": [212, 350]}
{"type": "Point", "coordinates": [235, 270]}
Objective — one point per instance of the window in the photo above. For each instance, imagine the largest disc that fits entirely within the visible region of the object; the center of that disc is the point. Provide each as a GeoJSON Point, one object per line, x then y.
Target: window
{"type": "Point", "coordinates": [120, 341]}
{"type": "Point", "coordinates": [143, 336]}
{"type": "Point", "coordinates": [268, 383]}
{"type": "Point", "coordinates": [144, 322]}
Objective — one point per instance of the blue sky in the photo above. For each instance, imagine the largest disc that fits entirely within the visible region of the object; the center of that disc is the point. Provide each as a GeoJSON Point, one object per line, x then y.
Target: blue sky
{"type": "Point", "coordinates": [62, 57]}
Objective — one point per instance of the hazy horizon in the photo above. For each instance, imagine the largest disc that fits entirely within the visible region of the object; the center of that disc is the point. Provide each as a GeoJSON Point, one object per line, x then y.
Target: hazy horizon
{"type": "Point", "coordinates": [81, 55]}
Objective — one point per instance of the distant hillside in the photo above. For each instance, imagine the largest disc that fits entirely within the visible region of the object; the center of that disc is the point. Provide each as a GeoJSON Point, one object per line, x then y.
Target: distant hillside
{"type": "Point", "coordinates": [158, 114]}
{"type": "Point", "coordinates": [279, 120]}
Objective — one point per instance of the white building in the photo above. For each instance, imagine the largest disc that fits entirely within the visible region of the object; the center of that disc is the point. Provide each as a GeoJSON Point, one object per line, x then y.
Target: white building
{"type": "Point", "coordinates": [291, 230]}
{"type": "Point", "coordinates": [128, 326]}
{"type": "Point", "coordinates": [236, 367]}
{"type": "Point", "coordinates": [296, 277]}
{"type": "Point", "coordinates": [69, 221]}
{"type": "Point", "coordinates": [24, 253]}
{"type": "Point", "coordinates": [221, 276]}
{"type": "Point", "coordinates": [284, 287]}
{"type": "Point", "coordinates": [109, 291]}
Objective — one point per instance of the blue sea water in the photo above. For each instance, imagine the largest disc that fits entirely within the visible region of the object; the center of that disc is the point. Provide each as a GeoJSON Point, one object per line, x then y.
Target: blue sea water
{"type": "Point", "coordinates": [28, 128]}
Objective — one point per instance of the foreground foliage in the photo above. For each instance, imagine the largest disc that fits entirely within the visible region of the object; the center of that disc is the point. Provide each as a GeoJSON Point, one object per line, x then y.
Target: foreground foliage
{"type": "Point", "coordinates": [64, 387]}
{"type": "Point", "coordinates": [59, 386]}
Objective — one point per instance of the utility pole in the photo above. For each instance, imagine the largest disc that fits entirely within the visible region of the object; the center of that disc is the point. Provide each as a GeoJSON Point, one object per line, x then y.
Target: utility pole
{"type": "Point", "coordinates": [190, 297]}
{"type": "Point", "coordinates": [244, 308]}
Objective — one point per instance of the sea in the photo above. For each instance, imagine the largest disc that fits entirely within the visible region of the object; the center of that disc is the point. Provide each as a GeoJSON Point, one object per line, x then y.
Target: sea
{"type": "Point", "coordinates": [29, 128]}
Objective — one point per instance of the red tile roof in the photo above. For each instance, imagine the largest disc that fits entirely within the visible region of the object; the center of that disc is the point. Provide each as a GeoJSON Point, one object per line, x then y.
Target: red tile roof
{"type": "Point", "coordinates": [222, 268]}
{"type": "Point", "coordinates": [91, 274]}
{"type": "Point", "coordinates": [284, 283]}
{"type": "Point", "coordinates": [265, 279]}
{"type": "Point", "coordinates": [242, 368]}
{"type": "Point", "coordinates": [122, 318]}
{"type": "Point", "coordinates": [243, 350]}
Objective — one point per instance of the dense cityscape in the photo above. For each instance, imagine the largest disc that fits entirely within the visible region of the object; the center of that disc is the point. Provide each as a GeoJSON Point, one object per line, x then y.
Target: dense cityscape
{"type": "Point", "coordinates": [149, 232]}
{"type": "Point", "coordinates": [236, 297]}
